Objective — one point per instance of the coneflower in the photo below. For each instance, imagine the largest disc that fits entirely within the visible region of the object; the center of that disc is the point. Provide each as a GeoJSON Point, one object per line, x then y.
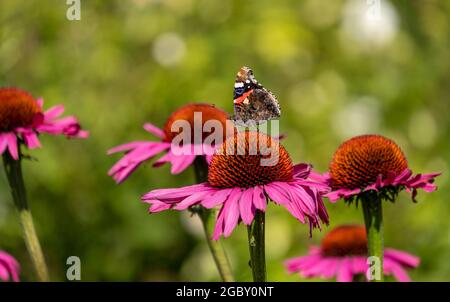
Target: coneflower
{"type": "Point", "coordinates": [191, 153]}
{"type": "Point", "coordinates": [247, 170]}
{"type": "Point", "coordinates": [343, 254]}
{"type": "Point", "coordinates": [369, 169]}
{"type": "Point", "coordinates": [22, 119]}
{"type": "Point", "coordinates": [138, 152]}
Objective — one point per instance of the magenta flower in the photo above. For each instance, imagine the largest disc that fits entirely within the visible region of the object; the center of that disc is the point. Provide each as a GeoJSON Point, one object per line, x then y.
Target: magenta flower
{"type": "Point", "coordinates": [373, 163]}
{"type": "Point", "coordinates": [343, 254]}
{"type": "Point", "coordinates": [140, 151]}
{"type": "Point", "coordinates": [238, 183]}
{"type": "Point", "coordinates": [9, 268]}
{"type": "Point", "coordinates": [22, 119]}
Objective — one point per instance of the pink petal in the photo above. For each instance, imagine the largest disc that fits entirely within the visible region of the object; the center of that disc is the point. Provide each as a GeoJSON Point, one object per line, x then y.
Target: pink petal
{"type": "Point", "coordinates": [132, 145]}
{"type": "Point", "coordinates": [162, 194]}
{"type": "Point", "coordinates": [181, 162]}
{"type": "Point", "coordinates": [246, 207]}
{"type": "Point", "coordinates": [158, 206]}
{"type": "Point", "coordinates": [192, 199]}
{"type": "Point", "coordinates": [218, 198]}
{"type": "Point", "coordinates": [11, 140]}
{"type": "Point", "coordinates": [399, 273]}
{"type": "Point", "coordinates": [3, 142]}
{"type": "Point", "coordinates": [302, 170]}
{"type": "Point", "coordinates": [231, 212]}
{"type": "Point", "coordinates": [344, 273]}
{"type": "Point", "coordinates": [259, 199]}
{"type": "Point", "coordinates": [402, 257]}
{"type": "Point", "coordinates": [54, 112]}
{"type": "Point", "coordinates": [158, 132]}
{"type": "Point", "coordinates": [31, 140]}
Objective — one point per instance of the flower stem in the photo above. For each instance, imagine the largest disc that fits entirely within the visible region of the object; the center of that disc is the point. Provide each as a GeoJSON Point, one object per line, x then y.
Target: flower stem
{"type": "Point", "coordinates": [373, 217]}
{"type": "Point", "coordinates": [13, 170]}
{"type": "Point", "coordinates": [216, 247]}
{"type": "Point", "coordinates": [256, 243]}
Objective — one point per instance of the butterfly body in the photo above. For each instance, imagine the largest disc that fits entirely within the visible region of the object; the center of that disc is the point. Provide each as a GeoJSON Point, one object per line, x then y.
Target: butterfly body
{"type": "Point", "coordinates": [253, 104]}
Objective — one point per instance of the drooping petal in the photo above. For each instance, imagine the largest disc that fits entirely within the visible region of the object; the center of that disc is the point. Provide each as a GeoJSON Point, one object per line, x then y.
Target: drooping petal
{"type": "Point", "coordinates": [11, 140]}
{"type": "Point", "coordinates": [231, 212]}
{"type": "Point", "coordinates": [3, 142]}
{"type": "Point", "coordinates": [31, 140]}
{"type": "Point", "coordinates": [391, 267]}
{"type": "Point", "coordinates": [259, 199]}
{"type": "Point", "coordinates": [402, 257]}
{"type": "Point", "coordinates": [344, 273]}
{"type": "Point", "coordinates": [246, 207]}
{"type": "Point", "coordinates": [218, 228]}
{"type": "Point", "coordinates": [181, 162]}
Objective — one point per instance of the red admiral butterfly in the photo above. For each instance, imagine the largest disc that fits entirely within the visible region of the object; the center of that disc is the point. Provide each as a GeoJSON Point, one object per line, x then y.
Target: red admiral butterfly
{"type": "Point", "coordinates": [253, 104]}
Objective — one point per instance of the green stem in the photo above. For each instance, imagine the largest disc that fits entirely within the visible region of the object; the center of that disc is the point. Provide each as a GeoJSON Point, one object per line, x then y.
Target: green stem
{"type": "Point", "coordinates": [13, 170]}
{"type": "Point", "coordinates": [256, 243]}
{"type": "Point", "coordinates": [207, 218]}
{"type": "Point", "coordinates": [373, 217]}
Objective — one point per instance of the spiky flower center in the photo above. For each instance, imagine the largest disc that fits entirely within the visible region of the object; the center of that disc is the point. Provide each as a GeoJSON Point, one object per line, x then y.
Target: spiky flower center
{"type": "Point", "coordinates": [345, 240]}
{"type": "Point", "coordinates": [17, 109]}
{"type": "Point", "coordinates": [195, 115]}
{"type": "Point", "coordinates": [359, 161]}
{"type": "Point", "coordinates": [248, 159]}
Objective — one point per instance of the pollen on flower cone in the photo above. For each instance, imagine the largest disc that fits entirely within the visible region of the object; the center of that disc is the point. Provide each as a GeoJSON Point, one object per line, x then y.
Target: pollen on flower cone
{"type": "Point", "coordinates": [359, 161]}
{"type": "Point", "coordinates": [17, 109]}
{"type": "Point", "coordinates": [205, 113]}
{"type": "Point", "coordinates": [345, 240]}
{"type": "Point", "coordinates": [248, 159]}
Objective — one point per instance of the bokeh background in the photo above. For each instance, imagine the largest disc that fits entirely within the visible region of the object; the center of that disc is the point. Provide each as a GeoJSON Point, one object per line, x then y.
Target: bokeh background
{"type": "Point", "coordinates": [337, 71]}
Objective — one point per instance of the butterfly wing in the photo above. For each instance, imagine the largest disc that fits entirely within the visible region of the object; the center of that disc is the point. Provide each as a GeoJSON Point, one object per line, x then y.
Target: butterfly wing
{"type": "Point", "coordinates": [252, 102]}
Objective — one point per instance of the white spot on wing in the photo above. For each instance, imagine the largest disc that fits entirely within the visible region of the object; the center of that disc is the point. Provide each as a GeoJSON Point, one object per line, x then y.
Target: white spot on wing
{"type": "Point", "coordinates": [238, 85]}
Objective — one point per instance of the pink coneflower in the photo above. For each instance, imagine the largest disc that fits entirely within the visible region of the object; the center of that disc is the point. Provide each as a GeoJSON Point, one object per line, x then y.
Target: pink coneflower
{"type": "Point", "coordinates": [139, 151]}
{"type": "Point", "coordinates": [369, 169]}
{"type": "Point", "coordinates": [373, 163]}
{"type": "Point", "coordinates": [343, 254]}
{"type": "Point", "coordinates": [22, 119]}
{"type": "Point", "coordinates": [238, 183]}
{"type": "Point", "coordinates": [9, 268]}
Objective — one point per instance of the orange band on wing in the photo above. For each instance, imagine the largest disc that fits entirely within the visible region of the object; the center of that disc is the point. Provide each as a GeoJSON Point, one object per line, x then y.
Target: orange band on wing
{"type": "Point", "coordinates": [241, 99]}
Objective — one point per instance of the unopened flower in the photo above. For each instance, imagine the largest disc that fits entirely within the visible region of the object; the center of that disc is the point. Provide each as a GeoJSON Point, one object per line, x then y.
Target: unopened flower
{"type": "Point", "coordinates": [22, 119]}
{"type": "Point", "coordinates": [377, 164]}
{"type": "Point", "coordinates": [238, 182]}
{"type": "Point", "coordinates": [343, 254]}
{"type": "Point", "coordinates": [140, 151]}
{"type": "Point", "coordinates": [9, 268]}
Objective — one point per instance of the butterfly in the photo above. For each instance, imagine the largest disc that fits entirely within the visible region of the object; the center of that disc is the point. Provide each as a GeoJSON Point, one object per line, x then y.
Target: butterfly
{"type": "Point", "coordinates": [253, 104]}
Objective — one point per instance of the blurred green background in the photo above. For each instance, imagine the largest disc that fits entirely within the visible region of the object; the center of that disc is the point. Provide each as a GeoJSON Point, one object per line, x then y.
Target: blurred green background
{"type": "Point", "coordinates": [337, 70]}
